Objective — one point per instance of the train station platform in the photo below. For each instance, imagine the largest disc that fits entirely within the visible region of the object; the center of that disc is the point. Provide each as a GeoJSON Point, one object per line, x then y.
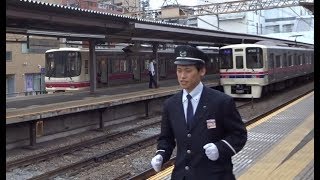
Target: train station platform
{"type": "Point", "coordinates": [279, 146]}
{"type": "Point", "coordinates": [23, 109]}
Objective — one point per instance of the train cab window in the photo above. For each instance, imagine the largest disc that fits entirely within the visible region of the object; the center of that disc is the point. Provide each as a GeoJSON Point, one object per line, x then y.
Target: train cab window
{"type": "Point", "coordinates": [254, 58]}
{"type": "Point", "coordinates": [239, 62]}
{"type": "Point", "coordinates": [50, 59]}
{"type": "Point", "coordinates": [226, 58]}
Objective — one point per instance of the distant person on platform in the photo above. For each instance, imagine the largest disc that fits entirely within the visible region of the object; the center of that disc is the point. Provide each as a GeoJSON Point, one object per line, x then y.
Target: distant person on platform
{"type": "Point", "coordinates": [202, 122]}
{"type": "Point", "coordinates": [152, 74]}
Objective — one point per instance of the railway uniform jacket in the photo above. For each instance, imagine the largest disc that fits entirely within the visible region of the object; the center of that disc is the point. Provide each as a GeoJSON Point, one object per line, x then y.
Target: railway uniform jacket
{"type": "Point", "coordinates": [229, 135]}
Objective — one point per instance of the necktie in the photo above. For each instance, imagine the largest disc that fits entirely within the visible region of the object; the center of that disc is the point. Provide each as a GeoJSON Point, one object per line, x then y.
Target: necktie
{"type": "Point", "coordinates": [189, 111]}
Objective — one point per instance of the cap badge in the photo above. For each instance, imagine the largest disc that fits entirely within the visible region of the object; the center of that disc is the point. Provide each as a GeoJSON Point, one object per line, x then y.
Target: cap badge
{"type": "Point", "coordinates": [183, 53]}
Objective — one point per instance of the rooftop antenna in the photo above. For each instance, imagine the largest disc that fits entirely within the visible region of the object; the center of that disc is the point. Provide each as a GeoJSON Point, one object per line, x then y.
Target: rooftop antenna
{"type": "Point", "coordinates": [297, 35]}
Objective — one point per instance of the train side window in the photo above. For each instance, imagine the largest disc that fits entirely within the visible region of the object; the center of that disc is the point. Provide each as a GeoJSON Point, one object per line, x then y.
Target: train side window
{"type": "Point", "coordinates": [300, 59]}
{"type": "Point", "coordinates": [296, 61]}
{"type": "Point", "coordinates": [86, 62]}
{"type": "Point", "coordinates": [290, 59]}
{"type": "Point", "coordinates": [271, 61]}
{"type": "Point", "coordinates": [284, 60]}
{"type": "Point", "coordinates": [278, 61]}
{"type": "Point", "coordinates": [307, 59]}
{"type": "Point", "coordinates": [239, 62]}
{"type": "Point", "coordinates": [115, 64]}
{"type": "Point", "coordinates": [146, 64]}
{"type": "Point", "coordinates": [303, 59]}
{"type": "Point", "coordinates": [123, 65]}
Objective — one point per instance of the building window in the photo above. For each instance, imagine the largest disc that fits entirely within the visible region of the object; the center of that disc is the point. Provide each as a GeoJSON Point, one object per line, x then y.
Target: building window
{"type": "Point", "coordinates": [273, 29]}
{"type": "Point", "coordinates": [10, 83]}
{"type": "Point", "coordinates": [287, 27]}
{"type": "Point", "coordinates": [24, 48]}
{"type": "Point", "coordinates": [8, 56]}
{"type": "Point", "coordinates": [33, 82]}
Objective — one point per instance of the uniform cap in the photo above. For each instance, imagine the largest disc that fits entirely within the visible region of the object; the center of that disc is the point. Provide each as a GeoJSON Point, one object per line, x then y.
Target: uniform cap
{"type": "Point", "coordinates": [188, 55]}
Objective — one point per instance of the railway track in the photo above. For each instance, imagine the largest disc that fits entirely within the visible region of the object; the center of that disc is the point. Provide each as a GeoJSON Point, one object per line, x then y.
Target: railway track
{"type": "Point", "coordinates": [92, 161]}
{"type": "Point", "coordinates": [78, 146]}
{"type": "Point", "coordinates": [72, 148]}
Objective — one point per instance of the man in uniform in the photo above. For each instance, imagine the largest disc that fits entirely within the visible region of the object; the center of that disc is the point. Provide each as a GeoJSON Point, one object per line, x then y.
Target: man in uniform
{"type": "Point", "coordinates": [204, 124]}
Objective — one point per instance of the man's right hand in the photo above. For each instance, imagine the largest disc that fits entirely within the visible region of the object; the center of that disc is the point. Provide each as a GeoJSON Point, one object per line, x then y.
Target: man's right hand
{"type": "Point", "coordinates": [156, 162]}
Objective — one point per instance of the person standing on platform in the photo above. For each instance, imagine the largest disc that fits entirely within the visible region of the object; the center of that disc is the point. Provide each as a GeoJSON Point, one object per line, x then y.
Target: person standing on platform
{"type": "Point", "coordinates": [152, 74]}
{"type": "Point", "coordinates": [202, 122]}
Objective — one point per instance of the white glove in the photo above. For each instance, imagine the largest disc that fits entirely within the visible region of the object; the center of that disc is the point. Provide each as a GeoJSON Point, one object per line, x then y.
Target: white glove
{"type": "Point", "coordinates": [211, 151]}
{"type": "Point", "coordinates": [156, 162]}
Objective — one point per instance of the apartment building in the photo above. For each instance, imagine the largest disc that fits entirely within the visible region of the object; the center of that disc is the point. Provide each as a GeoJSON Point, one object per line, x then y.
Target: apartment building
{"type": "Point", "coordinates": [25, 63]}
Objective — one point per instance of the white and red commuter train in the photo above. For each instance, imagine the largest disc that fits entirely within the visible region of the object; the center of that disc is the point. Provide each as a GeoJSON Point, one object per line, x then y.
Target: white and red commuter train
{"type": "Point", "coordinates": [67, 69]}
{"type": "Point", "coordinates": [250, 70]}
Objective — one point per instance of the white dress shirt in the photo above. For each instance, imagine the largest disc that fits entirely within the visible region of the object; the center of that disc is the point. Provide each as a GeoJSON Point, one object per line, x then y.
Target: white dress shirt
{"type": "Point", "coordinates": [196, 94]}
{"type": "Point", "coordinates": [151, 68]}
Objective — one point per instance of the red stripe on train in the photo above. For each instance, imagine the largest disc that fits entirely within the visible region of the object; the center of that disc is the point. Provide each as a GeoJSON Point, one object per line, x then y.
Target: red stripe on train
{"type": "Point", "coordinates": [67, 84]}
{"type": "Point", "coordinates": [252, 72]}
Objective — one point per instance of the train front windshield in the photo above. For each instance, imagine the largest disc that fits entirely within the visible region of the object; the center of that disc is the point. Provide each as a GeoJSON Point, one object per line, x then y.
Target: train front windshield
{"type": "Point", "coordinates": [61, 64]}
{"type": "Point", "coordinates": [226, 58]}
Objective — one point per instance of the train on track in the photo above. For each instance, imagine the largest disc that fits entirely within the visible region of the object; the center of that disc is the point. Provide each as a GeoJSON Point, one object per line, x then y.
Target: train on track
{"type": "Point", "coordinates": [68, 69]}
{"type": "Point", "coordinates": [252, 70]}
{"type": "Point", "coordinates": [246, 70]}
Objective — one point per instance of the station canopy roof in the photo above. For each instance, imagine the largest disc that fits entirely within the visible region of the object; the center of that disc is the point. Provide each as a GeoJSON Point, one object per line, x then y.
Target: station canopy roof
{"type": "Point", "coordinates": [39, 18]}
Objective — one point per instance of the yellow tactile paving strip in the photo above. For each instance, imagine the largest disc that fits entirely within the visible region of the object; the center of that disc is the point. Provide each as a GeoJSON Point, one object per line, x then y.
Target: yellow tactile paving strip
{"type": "Point", "coordinates": [266, 167]}
{"type": "Point", "coordinates": [162, 174]}
{"type": "Point", "coordinates": [287, 170]}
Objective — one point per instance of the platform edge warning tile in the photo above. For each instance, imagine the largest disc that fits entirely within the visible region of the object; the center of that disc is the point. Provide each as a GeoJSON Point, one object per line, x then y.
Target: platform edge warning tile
{"type": "Point", "coordinates": [263, 167]}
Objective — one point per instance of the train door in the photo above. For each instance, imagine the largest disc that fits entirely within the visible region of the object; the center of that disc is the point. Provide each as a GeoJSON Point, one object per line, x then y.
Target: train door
{"type": "Point", "coordinates": [238, 60]}
{"type": "Point", "coordinates": [136, 68]}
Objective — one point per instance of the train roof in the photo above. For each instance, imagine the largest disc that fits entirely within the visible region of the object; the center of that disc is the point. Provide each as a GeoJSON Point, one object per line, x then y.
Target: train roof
{"type": "Point", "coordinates": [264, 46]}
{"type": "Point", "coordinates": [104, 50]}
{"type": "Point", "coordinates": [63, 49]}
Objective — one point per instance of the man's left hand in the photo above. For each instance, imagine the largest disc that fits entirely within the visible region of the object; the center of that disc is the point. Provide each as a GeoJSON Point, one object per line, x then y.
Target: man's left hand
{"type": "Point", "coordinates": [211, 151]}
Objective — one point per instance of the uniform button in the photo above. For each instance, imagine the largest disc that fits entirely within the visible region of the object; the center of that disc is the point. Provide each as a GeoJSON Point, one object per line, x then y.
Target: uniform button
{"type": "Point", "coordinates": [186, 168]}
{"type": "Point", "coordinates": [188, 151]}
{"type": "Point", "coordinates": [188, 135]}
